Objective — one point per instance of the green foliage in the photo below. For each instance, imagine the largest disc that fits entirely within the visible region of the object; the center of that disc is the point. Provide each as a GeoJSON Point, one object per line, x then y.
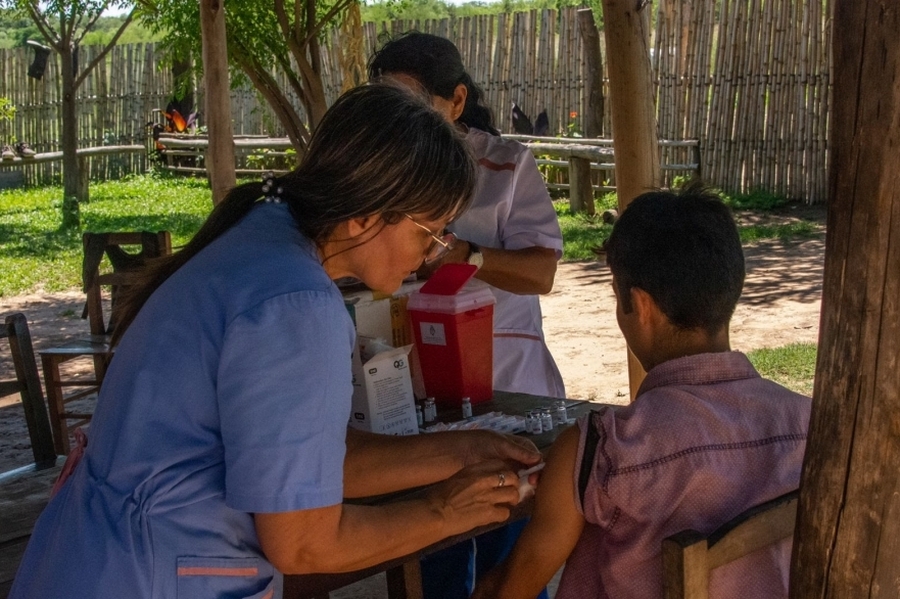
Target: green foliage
{"type": "Point", "coordinates": [36, 255]}
{"type": "Point", "coordinates": [759, 199]}
{"type": "Point", "coordinates": [102, 33]}
{"type": "Point", "coordinates": [387, 10]}
{"type": "Point", "coordinates": [16, 27]}
{"type": "Point", "coordinates": [252, 28]}
{"type": "Point", "coordinates": [7, 109]}
{"type": "Point", "coordinates": [800, 229]}
{"type": "Point", "coordinates": [793, 365]}
{"type": "Point", "coordinates": [266, 159]}
{"type": "Point", "coordinates": [582, 233]}
{"type": "Point", "coordinates": [572, 129]}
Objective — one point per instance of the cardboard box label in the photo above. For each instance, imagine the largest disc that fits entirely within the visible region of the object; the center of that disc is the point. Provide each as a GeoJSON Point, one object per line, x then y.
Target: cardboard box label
{"type": "Point", "coordinates": [383, 400]}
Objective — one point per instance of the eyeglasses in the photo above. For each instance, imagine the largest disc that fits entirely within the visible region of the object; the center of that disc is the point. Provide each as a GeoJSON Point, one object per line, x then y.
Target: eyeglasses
{"type": "Point", "coordinates": [440, 244]}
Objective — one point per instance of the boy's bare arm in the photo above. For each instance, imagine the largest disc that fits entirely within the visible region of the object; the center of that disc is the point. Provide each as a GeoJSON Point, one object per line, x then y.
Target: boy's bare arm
{"type": "Point", "coordinates": [549, 537]}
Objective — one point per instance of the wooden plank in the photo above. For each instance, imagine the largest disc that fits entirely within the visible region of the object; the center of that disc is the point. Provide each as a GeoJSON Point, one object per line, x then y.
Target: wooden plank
{"type": "Point", "coordinates": [845, 545]}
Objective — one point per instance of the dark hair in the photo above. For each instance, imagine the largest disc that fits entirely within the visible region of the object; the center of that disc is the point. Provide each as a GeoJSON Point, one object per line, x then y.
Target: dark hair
{"type": "Point", "coordinates": [682, 248]}
{"type": "Point", "coordinates": [435, 63]}
{"type": "Point", "coordinates": [380, 149]}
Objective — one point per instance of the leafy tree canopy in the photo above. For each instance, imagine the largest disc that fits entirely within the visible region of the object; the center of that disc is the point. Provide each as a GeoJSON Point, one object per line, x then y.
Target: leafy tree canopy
{"type": "Point", "coordinates": [388, 10]}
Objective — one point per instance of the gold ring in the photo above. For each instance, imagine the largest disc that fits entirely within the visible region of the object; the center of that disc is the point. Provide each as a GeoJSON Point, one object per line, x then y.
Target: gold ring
{"type": "Point", "coordinates": [501, 479]}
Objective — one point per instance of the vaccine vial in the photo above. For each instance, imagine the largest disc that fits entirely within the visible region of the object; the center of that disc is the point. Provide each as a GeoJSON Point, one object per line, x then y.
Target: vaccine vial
{"type": "Point", "coordinates": [529, 422]}
{"type": "Point", "coordinates": [537, 426]}
{"type": "Point", "coordinates": [546, 420]}
{"type": "Point", "coordinates": [429, 412]}
{"type": "Point", "coordinates": [420, 417]}
{"type": "Point", "coordinates": [466, 407]}
{"type": "Point", "coordinates": [560, 417]}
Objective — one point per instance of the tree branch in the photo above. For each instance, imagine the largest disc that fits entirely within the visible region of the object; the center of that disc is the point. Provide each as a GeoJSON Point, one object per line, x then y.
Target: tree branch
{"type": "Point", "coordinates": [312, 42]}
{"type": "Point", "coordinates": [90, 24]}
{"type": "Point", "coordinates": [81, 76]}
{"type": "Point", "coordinates": [283, 22]}
{"type": "Point", "coordinates": [44, 27]}
{"type": "Point", "coordinates": [338, 7]}
{"type": "Point", "coordinates": [266, 85]}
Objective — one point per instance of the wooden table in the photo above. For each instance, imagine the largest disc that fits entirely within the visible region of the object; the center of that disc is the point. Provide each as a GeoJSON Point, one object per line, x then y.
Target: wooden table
{"type": "Point", "coordinates": [404, 576]}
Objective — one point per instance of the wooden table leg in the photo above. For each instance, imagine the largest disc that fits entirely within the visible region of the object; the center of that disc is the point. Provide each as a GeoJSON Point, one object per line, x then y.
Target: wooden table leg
{"type": "Point", "coordinates": [55, 404]}
{"type": "Point", "coordinates": [405, 581]}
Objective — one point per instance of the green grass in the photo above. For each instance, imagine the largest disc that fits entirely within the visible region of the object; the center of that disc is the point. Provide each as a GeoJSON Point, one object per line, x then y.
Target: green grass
{"type": "Point", "coordinates": [35, 255]}
{"type": "Point", "coordinates": [785, 232]}
{"type": "Point", "coordinates": [582, 232]}
{"type": "Point", "coordinates": [793, 365]}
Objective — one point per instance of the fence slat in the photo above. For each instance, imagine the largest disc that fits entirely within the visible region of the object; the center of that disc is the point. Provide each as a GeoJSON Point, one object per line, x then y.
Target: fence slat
{"type": "Point", "coordinates": [748, 78]}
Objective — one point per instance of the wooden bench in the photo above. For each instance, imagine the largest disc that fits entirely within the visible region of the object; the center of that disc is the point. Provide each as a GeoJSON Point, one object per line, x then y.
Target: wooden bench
{"type": "Point", "coordinates": [584, 155]}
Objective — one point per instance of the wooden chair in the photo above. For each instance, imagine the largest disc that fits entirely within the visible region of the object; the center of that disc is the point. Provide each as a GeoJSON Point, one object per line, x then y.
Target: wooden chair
{"type": "Point", "coordinates": [96, 346]}
{"type": "Point", "coordinates": [28, 384]}
{"type": "Point", "coordinates": [689, 556]}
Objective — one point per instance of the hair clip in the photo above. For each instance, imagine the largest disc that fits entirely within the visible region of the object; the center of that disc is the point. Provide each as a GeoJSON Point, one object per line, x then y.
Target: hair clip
{"type": "Point", "coordinates": [268, 184]}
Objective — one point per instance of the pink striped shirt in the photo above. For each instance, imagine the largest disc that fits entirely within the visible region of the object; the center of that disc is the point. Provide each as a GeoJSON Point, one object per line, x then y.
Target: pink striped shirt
{"type": "Point", "coordinates": [705, 439]}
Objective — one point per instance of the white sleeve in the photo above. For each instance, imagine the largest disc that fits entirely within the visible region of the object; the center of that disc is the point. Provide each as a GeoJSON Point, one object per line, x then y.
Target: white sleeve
{"type": "Point", "coordinates": [531, 220]}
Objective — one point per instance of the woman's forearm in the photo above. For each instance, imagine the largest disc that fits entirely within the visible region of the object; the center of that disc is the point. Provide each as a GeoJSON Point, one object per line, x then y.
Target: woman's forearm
{"type": "Point", "coordinates": [529, 271]}
{"type": "Point", "coordinates": [378, 464]}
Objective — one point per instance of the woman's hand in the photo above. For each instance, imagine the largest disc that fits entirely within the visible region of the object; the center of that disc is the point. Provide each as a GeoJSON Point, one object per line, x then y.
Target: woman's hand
{"type": "Point", "coordinates": [488, 445]}
{"type": "Point", "coordinates": [475, 496]}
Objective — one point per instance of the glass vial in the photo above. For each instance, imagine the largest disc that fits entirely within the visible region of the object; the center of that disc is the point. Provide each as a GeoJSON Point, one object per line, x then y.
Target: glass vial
{"type": "Point", "coordinates": [546, 421]}
{"type": "Point", "coordinates": [560, 417]}
{"type": "Point", "coordinates": [466, 407]}
{"type": "Point", "coordinates": [529, 422]}
{"type": "Point", "coordinates": [429, 412]}
{"type": "Point", "coordinates": [420, 417]}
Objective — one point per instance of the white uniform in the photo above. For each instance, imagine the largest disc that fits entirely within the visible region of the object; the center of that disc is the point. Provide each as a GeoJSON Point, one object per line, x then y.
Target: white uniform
{"type": "Point", "coordinates": [512, 210]}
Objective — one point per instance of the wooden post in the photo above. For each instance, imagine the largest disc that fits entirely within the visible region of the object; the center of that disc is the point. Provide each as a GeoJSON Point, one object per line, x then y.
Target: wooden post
{"type": "Point", "coordinates": [581, 191]}
{"type": "Point", "coordinates": [220, 155]}
{"type": "Point", "coordinates": [635, 140]}
{"type": "Point", "coordinates": [590, 42]}
{"type": "Point", "coordinates": [846, 540]}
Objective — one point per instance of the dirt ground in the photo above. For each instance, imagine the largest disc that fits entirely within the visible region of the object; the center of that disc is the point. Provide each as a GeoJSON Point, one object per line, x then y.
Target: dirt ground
{"type": "Point", "coordinates": [780, 305]}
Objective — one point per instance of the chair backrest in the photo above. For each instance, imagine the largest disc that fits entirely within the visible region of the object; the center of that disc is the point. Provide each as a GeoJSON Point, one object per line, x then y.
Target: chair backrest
{"type": "Point", "coordinates": [689, 556]}
{"type": "Point", "coordinates": [98, 245]}
{"type": "Point", "coordinates": [28, 384]}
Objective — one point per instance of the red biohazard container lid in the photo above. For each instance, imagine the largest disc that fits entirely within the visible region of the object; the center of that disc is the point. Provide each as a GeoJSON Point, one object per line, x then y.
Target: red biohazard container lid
{"type": "Point", "coordinates": [452, 293]}
{"type": "Point", "coordinates": [449, 279]}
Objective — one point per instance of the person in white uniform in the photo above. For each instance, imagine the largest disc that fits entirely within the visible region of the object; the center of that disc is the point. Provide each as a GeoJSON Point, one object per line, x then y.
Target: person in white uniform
{"type": "Point", "coordinates": [510, 232]}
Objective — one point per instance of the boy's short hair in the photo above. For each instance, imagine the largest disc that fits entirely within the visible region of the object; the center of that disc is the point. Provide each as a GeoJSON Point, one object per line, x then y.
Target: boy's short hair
{"type": "Point", "coordinates": [684, 250]}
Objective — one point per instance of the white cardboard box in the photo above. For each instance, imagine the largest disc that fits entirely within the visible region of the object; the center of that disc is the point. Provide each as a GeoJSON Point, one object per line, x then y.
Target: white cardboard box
{"type": "Point", "coordinates": [383, 316]}
{"type": "Point", "coordinates": [383, 400]}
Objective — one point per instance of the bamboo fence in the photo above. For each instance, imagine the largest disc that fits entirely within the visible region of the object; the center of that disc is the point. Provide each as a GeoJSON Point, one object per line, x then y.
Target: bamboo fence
{"type": "Point", "coordinates": [749, 79]}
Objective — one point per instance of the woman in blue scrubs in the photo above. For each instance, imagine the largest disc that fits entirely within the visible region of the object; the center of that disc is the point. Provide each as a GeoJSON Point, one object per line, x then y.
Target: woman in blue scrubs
{"type": "Point", "coordinates": [219, 453]}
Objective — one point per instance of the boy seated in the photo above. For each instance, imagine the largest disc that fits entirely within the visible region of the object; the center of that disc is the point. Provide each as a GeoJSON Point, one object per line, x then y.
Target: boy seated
{"type": "Point", "coordinates": [705, 438]}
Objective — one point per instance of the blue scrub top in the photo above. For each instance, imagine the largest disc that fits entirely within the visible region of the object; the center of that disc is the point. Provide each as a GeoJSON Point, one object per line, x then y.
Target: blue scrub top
{"type": "Point", "coordinates": [228, 395]}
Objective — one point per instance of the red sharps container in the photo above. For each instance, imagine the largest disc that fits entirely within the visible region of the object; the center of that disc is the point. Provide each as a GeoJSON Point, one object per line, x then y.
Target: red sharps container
{"type": "Point", "coordinates": [453, 325]}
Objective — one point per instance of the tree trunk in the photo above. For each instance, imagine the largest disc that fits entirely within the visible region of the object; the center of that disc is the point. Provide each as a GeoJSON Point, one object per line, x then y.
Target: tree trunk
{"type": "Point", "coordinates": [846, 542]}
{"type": "Point", "coordinates": [72, 177]}
{"type": "Point", "coordinates": [220, 154]}
{"type": "Point", "coordinates": [590, 41]}
{"type": "Point", "coordinates": [633, 112]}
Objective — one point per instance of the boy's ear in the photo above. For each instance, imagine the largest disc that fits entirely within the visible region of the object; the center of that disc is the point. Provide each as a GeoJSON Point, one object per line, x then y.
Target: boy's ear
{"type": "Point", "coordinates": [646, 308]}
